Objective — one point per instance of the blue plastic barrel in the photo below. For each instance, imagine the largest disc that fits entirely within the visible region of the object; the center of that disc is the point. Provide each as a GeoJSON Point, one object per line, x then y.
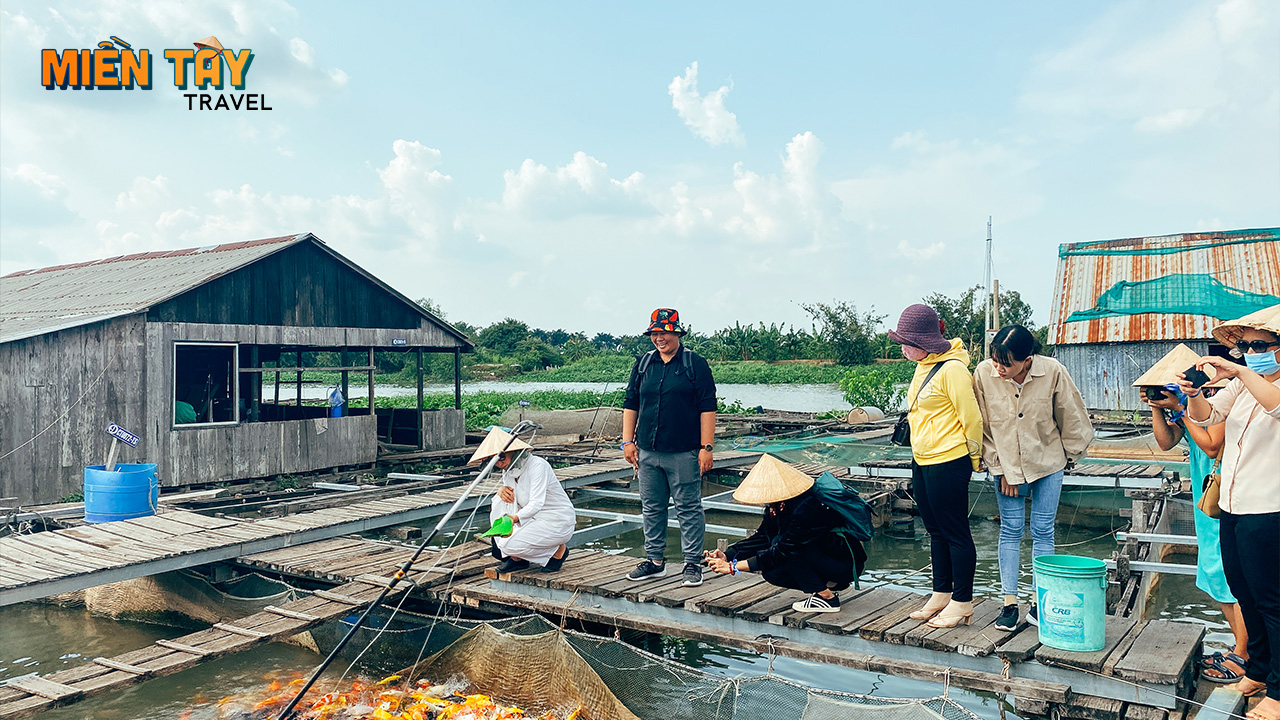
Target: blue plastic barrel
{"type": "Point", "coordinates": [1072, 594]}
{"type": "Point", "coordinates": [129, 491]}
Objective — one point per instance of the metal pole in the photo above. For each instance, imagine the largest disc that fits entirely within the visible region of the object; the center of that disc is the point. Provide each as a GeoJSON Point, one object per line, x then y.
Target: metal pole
{"type": "Point", "coordinates": [986, 301]}
{"type": "Point", "coordinates": [402, 572]}
{"type": "Point", "coordinates": [422, 441]}
{"type": "Point", "coordinates": [457, 378]}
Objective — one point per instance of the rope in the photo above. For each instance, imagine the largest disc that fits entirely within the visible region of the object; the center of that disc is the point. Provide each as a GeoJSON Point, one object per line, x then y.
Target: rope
{"type": "Point", "coordinates": [61, 417]}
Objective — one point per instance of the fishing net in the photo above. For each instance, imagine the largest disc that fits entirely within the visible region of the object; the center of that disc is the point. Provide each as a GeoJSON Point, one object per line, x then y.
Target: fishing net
{"type": "Point", "coordinates": [587, 423]}
{"type": "Point", "coordinates": [509, 656]}
{"type": "Point", "coordinates": [824, 450]}
{"type": "Point", "coordinates": [542, 671]}
{"type": "Point", "coordinates": [182, 598]}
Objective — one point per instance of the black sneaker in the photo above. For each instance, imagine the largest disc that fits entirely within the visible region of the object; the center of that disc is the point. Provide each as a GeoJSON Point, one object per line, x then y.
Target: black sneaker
{"type": "Point", "coordinates": [554, 564]}
{"type": "Point", "coordinates": [647, 569]}
{"type": "Point", "coordinates": [692, 574]}
{"type": "Point", "coordinates": [817, 603]}
{"type": "Point", "coordinates": [1008, 620]}
{"type": "Point", "coordinates": [1033, 618]}
{"type": "Point", "coordinates": [512, 565]}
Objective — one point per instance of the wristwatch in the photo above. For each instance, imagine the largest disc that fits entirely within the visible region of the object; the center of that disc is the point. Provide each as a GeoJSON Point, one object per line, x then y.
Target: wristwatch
{"type": "Point", "coordinates": [708, 447]}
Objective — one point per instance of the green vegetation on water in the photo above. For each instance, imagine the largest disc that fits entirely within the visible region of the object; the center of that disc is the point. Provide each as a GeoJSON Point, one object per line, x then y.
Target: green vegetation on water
{"type": "Point", "coordinates": [484, 408]}
{"type": "Point", "coordinates": [617, 369]}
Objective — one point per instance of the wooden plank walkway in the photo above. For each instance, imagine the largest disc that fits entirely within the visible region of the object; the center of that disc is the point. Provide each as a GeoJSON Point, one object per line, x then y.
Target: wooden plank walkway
{"type": "Point", "coordinates": [29, 696]}
{"type": "Point", "coordinates": [42, 564]}
{"type": "Point", "coordinates": [1141, 664]}
{"type": "Point", "coordinates": [1144, 476]}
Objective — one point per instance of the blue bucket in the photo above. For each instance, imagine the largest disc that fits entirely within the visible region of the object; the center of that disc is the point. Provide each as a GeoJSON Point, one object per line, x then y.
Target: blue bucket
{"type": "Point", "coordinates": [129, 491]}
{"type": "Point", "coordinates": [1072, 594]}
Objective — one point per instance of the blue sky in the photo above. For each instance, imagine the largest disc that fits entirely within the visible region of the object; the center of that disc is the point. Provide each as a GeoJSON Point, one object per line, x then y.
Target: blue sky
{"type": "Point", "coordinates": [576, 165]}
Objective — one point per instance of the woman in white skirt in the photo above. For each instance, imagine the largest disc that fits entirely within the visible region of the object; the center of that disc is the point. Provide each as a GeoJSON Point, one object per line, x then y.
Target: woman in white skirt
{"type": "Point", "coordinates": [530, 497]}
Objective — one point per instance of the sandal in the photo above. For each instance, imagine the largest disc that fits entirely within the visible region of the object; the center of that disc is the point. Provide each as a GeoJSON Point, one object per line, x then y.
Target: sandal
{"type": "Point", "coordinates": [1225, 674]}
{"type": "Point", "coordinates": [1209, 661]}
{"type": "Point", "coordinates": [1263, 713]}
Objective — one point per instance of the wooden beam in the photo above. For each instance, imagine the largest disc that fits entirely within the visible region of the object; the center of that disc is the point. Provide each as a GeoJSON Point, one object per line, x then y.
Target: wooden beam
{"type": "Point", "coordinates": [422, 441]}
{"type": "Point", "coordinates": [457, 378]}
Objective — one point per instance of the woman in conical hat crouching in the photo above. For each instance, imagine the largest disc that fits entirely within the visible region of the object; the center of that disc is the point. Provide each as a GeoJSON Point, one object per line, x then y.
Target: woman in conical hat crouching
{"type": "Point", "coordinates": [797, 545]}
{"type": "Point", "coordinates": [532, 516]}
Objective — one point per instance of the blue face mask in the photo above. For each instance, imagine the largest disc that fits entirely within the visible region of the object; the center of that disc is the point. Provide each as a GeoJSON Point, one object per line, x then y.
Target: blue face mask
{"type": "Point", "coordinates": [1262, 363]}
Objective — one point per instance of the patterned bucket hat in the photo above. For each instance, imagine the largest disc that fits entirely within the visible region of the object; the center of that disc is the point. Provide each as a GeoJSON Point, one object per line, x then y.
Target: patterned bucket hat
{"type": "Point", "coordinates": [664, 320]}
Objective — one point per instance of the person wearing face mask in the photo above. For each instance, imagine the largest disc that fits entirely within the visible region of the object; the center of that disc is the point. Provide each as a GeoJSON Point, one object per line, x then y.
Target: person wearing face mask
{"type": "Point", "coordinates": [1035, 425]}
{"type": "Point", "coordinates": [1169, 426]}
{"type": "Point", "coordinates": [1250, 489]}
{"type": "Point", "coordinates": [946, 449]}
{"type": "Point", "coordinates": [532, 517]}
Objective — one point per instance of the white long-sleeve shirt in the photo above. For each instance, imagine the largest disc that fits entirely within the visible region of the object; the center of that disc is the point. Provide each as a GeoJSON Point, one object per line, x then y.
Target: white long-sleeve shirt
{"type": "Point", "coordinates": [538, 495]}
{"type": "Point", "coordinates": [1250, 451]}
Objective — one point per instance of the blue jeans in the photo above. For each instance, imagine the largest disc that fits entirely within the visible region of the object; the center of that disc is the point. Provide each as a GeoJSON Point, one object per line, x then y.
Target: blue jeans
{"type": "Point", "coordinates": [667, 478]}
{"type": "Point", "coordinates": [1044, 494]}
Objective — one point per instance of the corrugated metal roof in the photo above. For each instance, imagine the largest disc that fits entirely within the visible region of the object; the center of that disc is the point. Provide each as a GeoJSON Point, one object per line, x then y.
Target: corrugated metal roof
{"type": "Point", "coordinates": [1247, 260]}
{"type": "Point", "coordinates": [35, 302]}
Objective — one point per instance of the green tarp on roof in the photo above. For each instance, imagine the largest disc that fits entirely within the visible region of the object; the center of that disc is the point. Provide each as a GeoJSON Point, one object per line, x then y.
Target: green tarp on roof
{"type": "Point", "coordinates": [1190, 294]}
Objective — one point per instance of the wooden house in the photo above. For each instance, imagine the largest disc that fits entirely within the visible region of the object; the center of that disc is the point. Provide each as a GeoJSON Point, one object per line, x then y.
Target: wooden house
{"type": "Point", "coordinates": [1121, 305]}
{"type": "Point", "coordinates": [190, 350]}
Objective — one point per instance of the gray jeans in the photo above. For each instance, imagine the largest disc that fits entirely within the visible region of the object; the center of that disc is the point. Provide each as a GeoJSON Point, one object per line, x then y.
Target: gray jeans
{"type": "Point", "coordinates": [674, 477]}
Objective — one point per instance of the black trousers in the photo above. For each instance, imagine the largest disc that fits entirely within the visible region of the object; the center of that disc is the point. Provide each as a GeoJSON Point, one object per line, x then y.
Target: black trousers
{"type": "Point", "coordinates": [942, 496]}
{"type": "Point", "coordinates": [813, 573]}
{"type": "Point", "coordinates": [1251, 562]}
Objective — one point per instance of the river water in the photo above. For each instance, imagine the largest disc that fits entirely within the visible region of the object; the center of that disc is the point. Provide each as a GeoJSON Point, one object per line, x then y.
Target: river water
{"type": "Point", "coordinates": [45, 638]}
{"type": "Point", "coordinates": [794, 398]}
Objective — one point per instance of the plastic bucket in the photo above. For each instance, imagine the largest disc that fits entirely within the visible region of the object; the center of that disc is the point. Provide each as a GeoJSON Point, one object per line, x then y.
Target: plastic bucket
{"type": "Point", "coordinates": [1072, 594]}
{"type": "Point", "coordinates": [129, 491]}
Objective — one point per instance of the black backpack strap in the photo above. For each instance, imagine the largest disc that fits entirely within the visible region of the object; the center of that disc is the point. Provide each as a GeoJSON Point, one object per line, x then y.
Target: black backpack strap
{"type": "Point", "coordinates": [645, 360]}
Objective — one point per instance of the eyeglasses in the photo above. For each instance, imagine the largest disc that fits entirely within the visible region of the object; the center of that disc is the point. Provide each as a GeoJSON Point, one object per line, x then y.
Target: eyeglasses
{"type": "Point", "coordinates": [1258, 346]}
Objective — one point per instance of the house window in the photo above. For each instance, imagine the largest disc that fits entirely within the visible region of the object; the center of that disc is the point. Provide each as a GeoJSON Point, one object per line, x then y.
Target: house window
{"type": "Point", "coordinates": [204, 384]}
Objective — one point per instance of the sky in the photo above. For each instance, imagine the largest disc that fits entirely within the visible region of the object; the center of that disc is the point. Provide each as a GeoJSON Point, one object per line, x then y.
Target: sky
{"type": "Point", "coordinates": [575, 165]}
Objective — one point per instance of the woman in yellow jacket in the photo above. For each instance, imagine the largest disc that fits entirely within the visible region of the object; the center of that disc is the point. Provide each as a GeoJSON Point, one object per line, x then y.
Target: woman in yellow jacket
{"type": "Point", "coordinates": [946, 449]}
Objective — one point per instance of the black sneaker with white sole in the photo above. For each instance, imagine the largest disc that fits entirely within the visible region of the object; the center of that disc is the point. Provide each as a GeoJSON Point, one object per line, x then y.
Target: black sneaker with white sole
{"type": "Point", "coordinates": [1008, 620]}
{"type": "Point", "coordinates": [1033, 618]}
{"type": "Point", "coordinates": [817, 603]}
{"type": "Point", "coordinates": [692, 574]}
{"type": "Point", "coordinates": [647, 569]}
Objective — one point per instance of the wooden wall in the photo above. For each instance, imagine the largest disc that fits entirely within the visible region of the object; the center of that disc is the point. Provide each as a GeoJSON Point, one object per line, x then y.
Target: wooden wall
{"type": "Point", "coordinates": [443, 429]}
{"type": "Point", "coordinates": [300, 286]}
{"type": "Point", "coordinates": [48, 382]}
{"type": "Point", "coordinates": [250, 450]}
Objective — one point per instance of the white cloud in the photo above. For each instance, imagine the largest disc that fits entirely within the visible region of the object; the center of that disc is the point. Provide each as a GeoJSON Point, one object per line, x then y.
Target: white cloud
{"type": "Point", "coordinates": [516, 278]}
{"type": "Point", "coordinates": [583, 185]}
{"type": "Point", "coordinates": [1170, 121]}
{"type": "Point", "coordinates": [705, 115]}
{"type": "Point", "coordinates": [25, 27]}
{"type": "Point", "coordinates": [48, 185]}
{"type": "Point", "coordinates": [302, 52]}
{"type": "Point", "coordinates": [928, 252]}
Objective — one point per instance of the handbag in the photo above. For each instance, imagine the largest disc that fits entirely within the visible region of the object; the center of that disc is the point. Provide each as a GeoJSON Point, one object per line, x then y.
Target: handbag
{"type": "Point", "coordinates": [1211, 491]}
{"type": "Point", "coordinates": [902, 429]}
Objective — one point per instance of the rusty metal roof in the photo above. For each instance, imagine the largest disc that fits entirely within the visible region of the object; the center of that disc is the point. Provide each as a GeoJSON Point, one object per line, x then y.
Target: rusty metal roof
{"type": "Point", "coordinates": [1241, 261]}
{"type": "Point", "coordinates": [35, 302]}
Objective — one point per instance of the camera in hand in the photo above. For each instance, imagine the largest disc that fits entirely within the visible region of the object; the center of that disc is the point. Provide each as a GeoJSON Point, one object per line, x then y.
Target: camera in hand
{"type": "Point", "coordinates": [1154, 392]}
{"type": "Point", "coordinates": [1195, 376]}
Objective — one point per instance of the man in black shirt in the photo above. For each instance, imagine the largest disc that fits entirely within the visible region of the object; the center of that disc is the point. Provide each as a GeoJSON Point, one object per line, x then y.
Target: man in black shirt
{"type": "Point", "coordinates": [668, 426]}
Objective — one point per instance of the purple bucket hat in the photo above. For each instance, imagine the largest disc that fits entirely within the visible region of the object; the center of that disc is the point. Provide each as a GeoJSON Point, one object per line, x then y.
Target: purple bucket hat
{"type": "Point", "coordinates": [919, 326]}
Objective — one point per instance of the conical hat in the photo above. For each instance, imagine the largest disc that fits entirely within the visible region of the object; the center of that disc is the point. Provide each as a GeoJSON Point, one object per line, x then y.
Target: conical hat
{"type": "Point", "coordinates": [210, 42]}
{"type": "Point", "coordinates": [1265, 319]}
{"type": "Point", "coordinates": [494, 443]}
{"type": "Point", "coordinates": [770, 481]}
{"type": "Point", "coordinates": [1167, 368]}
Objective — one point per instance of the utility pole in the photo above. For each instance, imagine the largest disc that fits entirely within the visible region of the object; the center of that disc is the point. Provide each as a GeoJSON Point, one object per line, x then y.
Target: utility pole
{"type": "Point", "coordinates": [987, 306]}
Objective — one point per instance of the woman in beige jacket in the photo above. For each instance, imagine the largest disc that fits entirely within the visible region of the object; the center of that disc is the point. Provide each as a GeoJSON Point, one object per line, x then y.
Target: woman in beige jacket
{"type": "Point", "coordinates": [1034, 425]}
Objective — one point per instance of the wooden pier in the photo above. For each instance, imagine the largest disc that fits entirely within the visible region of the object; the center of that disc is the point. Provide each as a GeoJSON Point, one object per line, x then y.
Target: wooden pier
{"type": "Point", "coordinates": [1136, 675]}
{"type": "Point", "coordinates": [39, 565]}
{"type": "Point", "coordinates": [28, 696]}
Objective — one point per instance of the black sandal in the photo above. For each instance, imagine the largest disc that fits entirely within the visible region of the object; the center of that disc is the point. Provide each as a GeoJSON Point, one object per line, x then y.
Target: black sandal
{"type": "Point", "coordinates": [1227, 674]}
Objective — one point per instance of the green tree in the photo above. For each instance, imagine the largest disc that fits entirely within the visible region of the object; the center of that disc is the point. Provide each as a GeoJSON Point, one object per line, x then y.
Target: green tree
{"type": "Point", "coordinates": [503, 337]}
{"type": "Point", "coordinates": [845, 332]}
{"type": "Point", "coordinates": [877, 386]}
{"type": "Point", "coordinates": [577, 348]}
{"type": "Point", "coordinates": [965, 316]}
{"type": "Point", "coordinates": [534, 354]}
